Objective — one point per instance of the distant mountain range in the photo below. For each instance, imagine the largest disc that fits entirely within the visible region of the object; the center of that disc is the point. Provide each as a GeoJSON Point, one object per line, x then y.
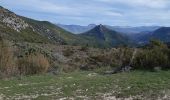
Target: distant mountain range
{"type": "Point", "coordinates": [133, 30]}
{"type": "Point", "coordinates": [162, 34]}
{"type": "Point", "coordinates": [21, 29]}
{"type": "Point", "coordinates": [76, 29]}
{"type": "Point", "coordinates": [139, 35]}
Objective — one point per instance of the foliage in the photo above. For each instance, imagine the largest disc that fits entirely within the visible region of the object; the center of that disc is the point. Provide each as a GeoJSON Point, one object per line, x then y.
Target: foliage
{"type": "Point", "coordinates": [157, 55]}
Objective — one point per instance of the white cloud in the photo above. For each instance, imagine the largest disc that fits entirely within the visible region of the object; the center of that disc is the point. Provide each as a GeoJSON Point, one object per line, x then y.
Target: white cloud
{"type": "Point", "coordinates": [144, 3]}
{"type": "Point", "coordinates": [114, 14]}
{"type": "Point", "coordinates": [56, 7]}
{"type": "Point", "coordinates": [93, 11]}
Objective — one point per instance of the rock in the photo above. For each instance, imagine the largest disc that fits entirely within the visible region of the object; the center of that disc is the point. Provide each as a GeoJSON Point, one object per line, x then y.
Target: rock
{"type": "Point", "coordinates": [59, 57]}
{"type": "Point", "coordinates": [156, 69]}
{"type": "Point", "coordinates": [84, 67]}
{"type": "Point", "coordinates": [126, 69]}
{"type": "Point", "coordinates": [109, 72]}
{"type": "Point", "coordinates": [119, 70]}
{"type": "Point", "coordinates": [92, 74]}
{"type": "Point", "coordinates": [12, 20]}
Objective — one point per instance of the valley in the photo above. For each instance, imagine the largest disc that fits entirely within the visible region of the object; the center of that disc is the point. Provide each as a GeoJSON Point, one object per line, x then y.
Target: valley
{"type": "Point", "coordinates": [41, 60]}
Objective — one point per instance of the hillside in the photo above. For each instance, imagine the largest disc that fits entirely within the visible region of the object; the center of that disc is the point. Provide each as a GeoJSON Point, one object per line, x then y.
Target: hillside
{"type": "Point", "coordinates": [162, 34]}
{"type": "Point", "coordinates": [107, 36]}
{"type": "Point", "coordinates": [18, 28]}
{"type": "Point", "coordinates": [13, 27]}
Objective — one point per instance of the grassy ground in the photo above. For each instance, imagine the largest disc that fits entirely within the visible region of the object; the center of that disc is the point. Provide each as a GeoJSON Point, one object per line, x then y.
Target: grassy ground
{"type": "Point", "coordinates": [89, 86]}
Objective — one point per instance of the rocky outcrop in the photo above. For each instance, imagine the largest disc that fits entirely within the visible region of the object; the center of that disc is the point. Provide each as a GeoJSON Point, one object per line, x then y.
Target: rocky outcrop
{"type": "Point", "coordinates": [12, 20]}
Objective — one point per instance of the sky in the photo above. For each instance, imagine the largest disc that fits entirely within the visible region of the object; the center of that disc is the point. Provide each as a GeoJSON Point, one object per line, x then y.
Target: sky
{"type": "Point", "coordinates": [84, 12]}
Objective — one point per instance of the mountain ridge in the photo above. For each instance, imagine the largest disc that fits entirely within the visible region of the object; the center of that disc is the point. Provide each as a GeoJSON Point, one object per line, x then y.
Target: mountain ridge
{"type": "Point", "coordinates": [18, 28]}
{"type": "Point", "coordinates": [107, 36]}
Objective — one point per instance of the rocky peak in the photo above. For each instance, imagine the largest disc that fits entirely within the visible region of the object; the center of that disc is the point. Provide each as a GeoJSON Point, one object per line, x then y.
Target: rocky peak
{"type": "Point", "coordinates": [12, 20]}
{"type": "Point", "coordinates": [92, 25]}
{"type": "Point", "coordinates": [97, 32]}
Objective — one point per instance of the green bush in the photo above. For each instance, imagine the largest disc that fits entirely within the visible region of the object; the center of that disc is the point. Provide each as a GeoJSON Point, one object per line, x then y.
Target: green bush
{"type": "Point", "coordinates": [154, 56]}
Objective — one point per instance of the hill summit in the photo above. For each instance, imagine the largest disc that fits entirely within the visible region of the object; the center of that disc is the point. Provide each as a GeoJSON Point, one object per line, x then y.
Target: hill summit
{"type": "Point", "coordinates": [107, 36]}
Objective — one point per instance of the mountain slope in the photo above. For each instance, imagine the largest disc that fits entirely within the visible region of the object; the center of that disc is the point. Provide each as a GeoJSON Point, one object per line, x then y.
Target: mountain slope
{"type": "Point", "coordinates": [107, 37]}
{"type": "Point", "coordinates": [13, 27]}
{"type": "Point", "coordinates": [54, 32]}
{"type": "Point", "coordinates": [162, 34]}
{"type": "Point", "coordinates": [18, 28]}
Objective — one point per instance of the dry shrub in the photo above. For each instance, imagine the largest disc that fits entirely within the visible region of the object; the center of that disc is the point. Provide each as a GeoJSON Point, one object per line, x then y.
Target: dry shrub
{"type": "Point", "coordinates": [33, 64]}
{"type": "Point", "coordinates": [7, 60]}
{"type": "Point", "coordinates": [84, 48]}
{"type": "Point", "coordinates": [68, 52]}
{"type": "Point", "coordinates": [113, 58]}
{"type": "Point", "coordinates": [69, 68]}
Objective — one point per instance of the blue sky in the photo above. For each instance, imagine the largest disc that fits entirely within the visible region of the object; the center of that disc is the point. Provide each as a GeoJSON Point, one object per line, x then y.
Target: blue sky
{"type": "Point", "coordinates": [84, 12]}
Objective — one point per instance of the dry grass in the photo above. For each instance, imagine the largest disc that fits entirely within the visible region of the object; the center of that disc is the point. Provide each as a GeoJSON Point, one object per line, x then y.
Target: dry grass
{"type": "Point", "coordinates": [33, 64]}
{"type": "Point", "coordinates": [10, 65]}
{"type": "Point", "coordinates": [7, 60]}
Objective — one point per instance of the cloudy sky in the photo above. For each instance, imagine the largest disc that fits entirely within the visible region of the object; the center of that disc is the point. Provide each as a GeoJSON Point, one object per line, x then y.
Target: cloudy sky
{"type": "Point", "coordinates": [83, 12]}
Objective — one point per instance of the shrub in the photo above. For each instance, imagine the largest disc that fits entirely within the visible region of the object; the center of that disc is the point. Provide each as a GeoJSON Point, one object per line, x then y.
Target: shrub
{"type": "Point", "coordinates": [33, 64]}
{"type": "Point", "coordinates": [148, 59]}
{"type": "Point", "coordinates": [112, 58]}
{"type": "Point", "coordinates": [7, 60]}
{"type": "Point", "coordinates": [124, 56]}
{"type": "Point", "coordinates": [69, 68]}
{"type": "Point", "coordinates": [68, 52]}
{"type": "Point", "coordinates": [84, 48]}
{"type": "Point", "coordinates": [155, 56]}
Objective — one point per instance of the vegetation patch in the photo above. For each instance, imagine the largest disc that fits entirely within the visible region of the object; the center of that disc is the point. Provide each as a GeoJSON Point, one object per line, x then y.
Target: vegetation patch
{"type": "Point", "coordinates": [87, 85]}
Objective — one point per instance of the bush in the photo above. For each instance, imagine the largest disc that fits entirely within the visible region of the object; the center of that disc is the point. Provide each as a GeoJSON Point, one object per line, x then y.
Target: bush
{"type": "Point", "coordinates": [33, 64]}
{"type": "Point", "coordinates": [155, 56]}
{"type": "Point", "coordinates": [7, 60]}
{"type": "Point", "coordinates": [84, 48]}
{"type": "Point", "coordinates": [68, 52]}
{"type": "Point", "coordinates": [149, 59]}
{"type": "Point", "coordinates": [111, 58]}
